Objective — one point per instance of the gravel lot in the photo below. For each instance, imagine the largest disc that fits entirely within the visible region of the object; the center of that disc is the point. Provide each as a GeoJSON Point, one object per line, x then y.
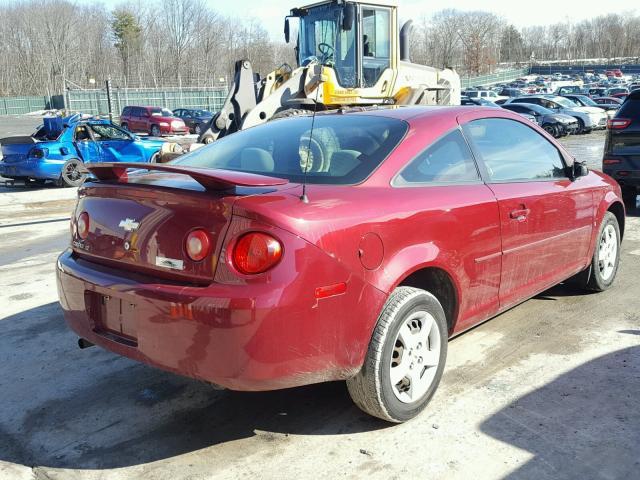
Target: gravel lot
{"type": "Point", "coordinates": [546, 390]}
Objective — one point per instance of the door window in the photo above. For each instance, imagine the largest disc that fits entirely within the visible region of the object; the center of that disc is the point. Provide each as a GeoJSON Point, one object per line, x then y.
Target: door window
{"type": "Point", "coordinates": [376, 44]}
{"type": "Point", "coordinates": [449, 160]}
{"type": "Point", "coordinates": [513, 152]}
{"type": "Point", "coordinates": [108, 132]}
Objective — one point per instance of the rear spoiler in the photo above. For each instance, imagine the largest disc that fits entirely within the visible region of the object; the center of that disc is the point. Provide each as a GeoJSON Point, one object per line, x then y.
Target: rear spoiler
{"type": "Point", "coordinates": [209, 178]}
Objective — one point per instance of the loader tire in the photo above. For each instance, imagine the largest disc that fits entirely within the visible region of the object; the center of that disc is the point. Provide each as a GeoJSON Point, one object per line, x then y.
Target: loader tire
{"type": "Point", "coordinates": [290, 112]}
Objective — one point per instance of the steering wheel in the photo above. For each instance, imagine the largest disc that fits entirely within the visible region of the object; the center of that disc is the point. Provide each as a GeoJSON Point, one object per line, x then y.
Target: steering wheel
{"type": "Point", "coordinates": [326, 50]}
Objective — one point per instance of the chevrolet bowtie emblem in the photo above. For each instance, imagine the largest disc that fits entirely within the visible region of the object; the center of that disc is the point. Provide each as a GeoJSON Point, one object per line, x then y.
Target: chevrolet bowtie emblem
{"type": "Point", "coordinates": [129, 224]}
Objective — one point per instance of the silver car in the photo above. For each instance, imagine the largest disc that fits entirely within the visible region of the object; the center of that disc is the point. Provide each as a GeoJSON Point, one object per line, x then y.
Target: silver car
{"type": "Point", "coordinates": [589, 118]}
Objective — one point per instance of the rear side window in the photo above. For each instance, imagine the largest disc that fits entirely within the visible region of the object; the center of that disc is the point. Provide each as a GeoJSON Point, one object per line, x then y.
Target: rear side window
{"type": "Point", "coordinates": [513, 152]}
{"type": "Point", "coordinates": [126, 111]}
{"type": "Point", "coordinates": [343, 149]}
{"type": "Point", "coordinates": [448, 160]}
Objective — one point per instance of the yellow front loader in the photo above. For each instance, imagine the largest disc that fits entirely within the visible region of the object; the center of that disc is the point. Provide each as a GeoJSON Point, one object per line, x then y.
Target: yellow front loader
{"type": "Point", "coordinates": [348, 54]}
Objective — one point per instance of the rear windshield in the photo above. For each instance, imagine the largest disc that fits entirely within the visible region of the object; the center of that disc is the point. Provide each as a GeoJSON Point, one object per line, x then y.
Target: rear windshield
{"type": "Point", "coordinates": [630, 109]}
{"type": "Point", "coordinates": [344, 149]}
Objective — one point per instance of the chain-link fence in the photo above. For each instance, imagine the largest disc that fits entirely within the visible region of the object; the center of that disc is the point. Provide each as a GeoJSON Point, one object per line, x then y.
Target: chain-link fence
{"type": "Point", "coordinates": [95, 102]}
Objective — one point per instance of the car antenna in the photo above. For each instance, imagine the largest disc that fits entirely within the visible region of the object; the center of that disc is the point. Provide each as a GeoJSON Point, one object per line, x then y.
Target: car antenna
{"type": "Point", "coordinates": [304, 197]}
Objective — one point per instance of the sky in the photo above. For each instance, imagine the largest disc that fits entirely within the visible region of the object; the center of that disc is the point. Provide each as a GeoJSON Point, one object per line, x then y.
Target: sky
{"type": "Point", "coordinates": [521, 14]}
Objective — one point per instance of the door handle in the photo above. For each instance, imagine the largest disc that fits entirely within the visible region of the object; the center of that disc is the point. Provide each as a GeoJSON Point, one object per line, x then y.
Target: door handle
{"type": "Point", "coordinates": [520, 215]}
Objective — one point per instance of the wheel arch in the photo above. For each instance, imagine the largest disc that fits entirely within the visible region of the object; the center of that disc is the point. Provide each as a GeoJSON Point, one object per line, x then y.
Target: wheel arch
{"type": "Point", "coordinates": [441, 284]}
{"type": "Point", "coordinates": [618, 210]}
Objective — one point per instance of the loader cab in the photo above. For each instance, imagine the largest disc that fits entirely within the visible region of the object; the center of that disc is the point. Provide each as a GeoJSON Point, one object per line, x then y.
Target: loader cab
{"type": "Point", "coordinates": [356, 40]}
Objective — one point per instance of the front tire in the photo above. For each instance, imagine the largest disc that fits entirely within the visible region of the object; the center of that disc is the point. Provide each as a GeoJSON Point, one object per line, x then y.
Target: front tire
{"type": "Point", "coordinates": [629, 196]}
{"type": "Point", "coordinates": [606, 257]}
{"type": "Point", "coordinates": [154, 131]}
{"type": "Point", "coordinates": [405, 359]}
{"type": "Point", "coordinates": [551, 130]}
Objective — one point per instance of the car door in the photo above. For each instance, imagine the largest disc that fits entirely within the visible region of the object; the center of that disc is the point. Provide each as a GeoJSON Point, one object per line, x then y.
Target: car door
{"type": "Point", "coordinates": [116, 145]}
{"type": "Point", "coordinates": [458, 213]}
{"type": "Point", "coordinates": [546, 218]}
{"type": "Point", "coordinates": [88, 149]}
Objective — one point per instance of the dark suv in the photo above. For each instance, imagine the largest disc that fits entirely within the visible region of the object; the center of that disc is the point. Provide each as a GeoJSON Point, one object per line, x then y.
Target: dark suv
{"type": "Point", "coordinates": [622, 147]}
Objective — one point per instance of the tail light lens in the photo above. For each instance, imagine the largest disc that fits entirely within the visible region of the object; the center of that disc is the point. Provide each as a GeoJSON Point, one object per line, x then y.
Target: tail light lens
{"type": "Point", "coordinates": [197, 245]}
{"type": "Point", "coordinates": [611, 161]}
{"type": "Point", "coordinates": [618, 123]}
{"type": "Point", "coordinates": [256, 252]}
{"type": "Point", "coordinates": [82, 225]}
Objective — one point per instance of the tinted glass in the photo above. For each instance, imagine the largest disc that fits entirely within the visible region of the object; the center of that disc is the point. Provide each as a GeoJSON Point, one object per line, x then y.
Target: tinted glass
{"type": "Point", "coordinates": [343, 149]}
{"type": "Point", "coordinates": [511, 151]}
{"type": "Point", "coordinates": [376, 26]}
{"type": "Point", "coordinates": [630, 109]}
{"type": "Point", "coordinates": [449, 160]}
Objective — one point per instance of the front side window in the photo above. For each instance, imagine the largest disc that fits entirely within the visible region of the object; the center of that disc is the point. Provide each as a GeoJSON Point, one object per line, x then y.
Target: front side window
{"type": "Point", "coordinates": [108, 132]}
{"type": "Point", "coordinates": [448, 160]}
{"type": "Point", "coordinates": [322, 37]}
{"type": "Point", "coordinates": [376, 41]}
{"type": "Point", "coordinates": [513, 152]}
{"type": "Point", "coordinates": [343, 149]}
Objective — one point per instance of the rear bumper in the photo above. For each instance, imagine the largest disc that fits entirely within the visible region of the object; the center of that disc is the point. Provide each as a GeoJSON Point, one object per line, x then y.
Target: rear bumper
{"type": "Point", "coordinates": [43, 169]}
{"type": "Point", "coordinates": [243, 337]}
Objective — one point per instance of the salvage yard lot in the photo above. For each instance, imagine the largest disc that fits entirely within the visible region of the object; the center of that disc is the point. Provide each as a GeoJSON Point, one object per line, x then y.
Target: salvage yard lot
{"type": "Point", "coordinates": [546, 390]}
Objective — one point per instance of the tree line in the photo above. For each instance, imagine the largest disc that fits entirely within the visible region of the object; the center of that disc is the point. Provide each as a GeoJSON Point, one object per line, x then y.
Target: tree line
{"type": "Point", "coordinates": [47, 45]}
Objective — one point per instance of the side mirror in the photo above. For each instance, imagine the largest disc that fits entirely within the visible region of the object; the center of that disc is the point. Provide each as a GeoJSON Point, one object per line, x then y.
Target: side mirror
{"type": "Point", "coordinates": [580, 169]}
{"type": "Point", "coordinates": [286, 29]}
{"type": "Point", "coordinates": [348, 14]}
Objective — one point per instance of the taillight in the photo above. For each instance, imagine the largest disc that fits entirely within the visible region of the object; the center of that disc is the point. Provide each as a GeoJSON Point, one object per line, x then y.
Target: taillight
{"type": "Point", "coordinates": [256, 252]}
{"type": "Point", "coordinates": [618, 123]}
{"type": "Point", "coordinates": [82, 225]}
{"type": "Point", "coordinates": [611, 161]}
{"type": "Point", "coordinates": [197, 245]}
{"type": "Point", "coordinates": [38, 153]}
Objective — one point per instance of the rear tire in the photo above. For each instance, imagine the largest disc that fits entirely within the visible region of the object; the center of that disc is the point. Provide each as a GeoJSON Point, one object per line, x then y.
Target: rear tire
{"type": "Point", "coordinates": [406, 357]}
{"type": "Point", "coordinates": [581, 128]}
{"type": "Point", "coordinates": [154, 131]}
{"type": "Point", "coordinates": [125, 126]}
{"type": "Point", "coordinates": [70, 176]}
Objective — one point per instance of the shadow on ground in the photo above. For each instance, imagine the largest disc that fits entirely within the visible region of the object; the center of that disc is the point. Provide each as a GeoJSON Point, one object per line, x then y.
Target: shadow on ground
{"type": "Point", "coordinates": [584, 424]}
{"type": "Point", "coordinates": [82, 409]}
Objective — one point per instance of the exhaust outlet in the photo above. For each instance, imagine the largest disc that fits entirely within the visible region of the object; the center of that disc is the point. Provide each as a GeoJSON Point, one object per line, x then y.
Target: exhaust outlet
{"type": "Point", "coordinates": [84, 343]}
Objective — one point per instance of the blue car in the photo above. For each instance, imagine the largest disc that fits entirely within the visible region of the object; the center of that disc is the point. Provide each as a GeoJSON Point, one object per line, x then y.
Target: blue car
{"type": "Point", "coordinates": [61, 145]}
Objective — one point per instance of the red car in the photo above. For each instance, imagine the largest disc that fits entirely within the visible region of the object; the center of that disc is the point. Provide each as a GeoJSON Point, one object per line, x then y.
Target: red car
{"type": "Point", "coordinates": [415, 224]}
{"type": "Point", "coordinates": [155, 121]}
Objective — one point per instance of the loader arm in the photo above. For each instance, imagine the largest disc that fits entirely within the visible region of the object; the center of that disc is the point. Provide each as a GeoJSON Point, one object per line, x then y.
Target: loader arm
{"type": "Point", "coordinates": [244, 107]}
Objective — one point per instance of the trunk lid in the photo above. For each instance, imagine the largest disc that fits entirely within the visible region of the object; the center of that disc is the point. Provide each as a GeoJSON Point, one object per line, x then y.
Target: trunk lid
{"type": "Point", "coordinates": [140, 221]}
{"type": "Point", "coordinates": [16, 149]}
{"type": "Point", "coordinates": [143, 229]}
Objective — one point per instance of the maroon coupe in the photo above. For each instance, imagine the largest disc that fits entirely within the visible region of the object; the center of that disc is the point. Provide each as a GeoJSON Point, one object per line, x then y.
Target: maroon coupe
{"type": "Point", "coordinates": [417, 223]}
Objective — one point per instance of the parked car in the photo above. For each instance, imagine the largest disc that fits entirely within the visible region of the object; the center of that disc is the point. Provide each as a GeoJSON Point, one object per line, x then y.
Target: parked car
{"type": "Point", "coordinates": [584, 101]}
{"type": "Point", "coordinates": [194, 119]}
{"type": "Point", "coordinates": [621, 95]}
{"type": "Point", "coordinates": [511, 92]}
{"type": "Point", "coordinates": [555, 124]}
{"type": "Point", "coordinates": [227, 269]}
{"type": "Point", "coordinates": [622, 147]}
{"type": "Point", "coordinates": [616, 90]}
{"type": "Point", "coordinates": [155, 121]}
{"type": "Point", "coordinates": [485, 94]}
{"type": "Point", "coordinates": [480, 102]}
{"type": "Point", "coordinates": [589, 118]}
{"type": "Point", "coordinates": [597, 92]}
{"type": "Point", "coordinates": [568, 89]}
{"type": "Point", "coordinates": [59, 147]}
{"type": "Point", "coordinates": [613, 101]}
